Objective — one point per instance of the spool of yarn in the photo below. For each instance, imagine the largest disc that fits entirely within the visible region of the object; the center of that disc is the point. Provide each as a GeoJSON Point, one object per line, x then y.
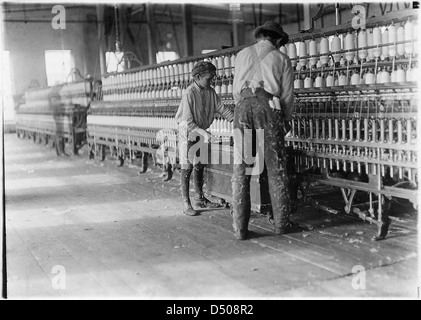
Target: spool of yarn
{"type": "Point", "coordinates": [355, 79]}
{"type": "Point", "coordinates": [369, 77]}
{"type": "Point", "coordinates": [221, 71]}
{"type": "Point", "coordinates": [362, 42]}
{"type": "Point", "coordinates": [408, 36]}
{"type": "Point", "coordinates": [324, 49]}
{"type": "Point", "coordinates": [392, 40]}
{"type": "Point", "coordinates": [379, 76]}
{"type": "Point", "coordinates": [412, 74]}
{"type": "Point", "coordinates": [298, 84]}
{"type": "Point", "coordinates": [385, 49]}
{"type": "Point", "coordinates": [370, 52]}
{"type": "Point", "coordinates": [308, 82]}
{"type": "Point", "coordinates": [224, 89]}
{"type": "Point", "coordinates": [167, 74]}
{"type": "Point", "coordinates": [232, 58]}
{"type": "Point", "coordinates": [303, 53]}
{"type": "Point", "coordinates": [385, 76]}
{"type": "Point", "coordinates": [400, 33]}
{"type": "Point", "coordinates": [408, 75]}
{"type": "Point", "coordinates": [218, 88]}
{"type": "Point", "coordinates": [171, 73]}
{"type": "Point", "coordinates": [400, 75]}
{"type": "Point", "coordinates": [377, 40]}
{"type": "Point", "coordinates": [330, 81]}
{"type": "Point", "coordinates": [180, 72]}
{"type": "Point", "coordinates": [415, 32]}
{"type": "Point", "coordinates": [336, 46]}
{"type": "Point", "coordinates": [292, 53]}
{"type": "Point", "coordinates": [343, 80]}
{"type": "Point", "coordinates": [312, 46]}
{"type": "Point", "coordinates": [158, 79]}
{"type": "Point", "coordinates": [283, 49]}
{"type": "Point", "coordinates": [229, 89]}
{"type": "Point", "coordinates": [227, 66]}
{"type": "Point", "coordinates": [186, 73]}
{"type": "Point", "coordinates": [191, 65]}
{"type": "Point", "coordinates": [349, 45]}
{"type": "Point", "coordinates": [319, 82]}
{"type": "Point", "coordinates": [277, 103]}
{"type": "Point", "coordinates": [393, 76]}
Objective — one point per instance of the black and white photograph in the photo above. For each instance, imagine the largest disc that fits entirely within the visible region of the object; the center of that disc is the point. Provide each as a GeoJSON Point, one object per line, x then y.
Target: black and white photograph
{"type": "Point", "coordinates": [209, 155]}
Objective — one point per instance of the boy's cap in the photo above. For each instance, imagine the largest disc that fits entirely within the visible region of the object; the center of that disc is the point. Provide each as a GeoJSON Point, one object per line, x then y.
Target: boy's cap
{"type": "Point", "coordinates": [203, 66]}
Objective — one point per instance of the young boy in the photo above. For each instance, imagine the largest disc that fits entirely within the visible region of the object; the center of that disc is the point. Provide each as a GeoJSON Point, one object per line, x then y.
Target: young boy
{"type": "Point", "coordinates": [194, 116]}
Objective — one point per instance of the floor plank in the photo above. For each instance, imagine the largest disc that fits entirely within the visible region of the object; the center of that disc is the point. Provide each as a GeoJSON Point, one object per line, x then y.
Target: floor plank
{"type": "Point", "coordinates": [120, 234]}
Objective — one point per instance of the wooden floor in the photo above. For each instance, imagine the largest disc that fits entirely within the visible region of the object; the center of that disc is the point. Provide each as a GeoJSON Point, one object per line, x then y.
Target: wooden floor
{"type": "Point", "coordinates": [113, 233]}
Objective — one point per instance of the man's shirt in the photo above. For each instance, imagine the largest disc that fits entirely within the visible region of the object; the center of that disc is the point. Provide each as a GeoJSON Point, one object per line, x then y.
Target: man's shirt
{"type": "Point", "coordinates": [277, 74]}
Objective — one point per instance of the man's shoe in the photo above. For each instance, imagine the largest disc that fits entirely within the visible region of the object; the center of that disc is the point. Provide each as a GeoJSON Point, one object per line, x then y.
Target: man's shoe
{"type": "Point", "coordinates": [241, 234]}
{"type": "Point", "coordinates": [190, 212]}
{"type": "Point", "coordinates": [206, 203]}
{"type": "Point", "coordinates": [288, 227]}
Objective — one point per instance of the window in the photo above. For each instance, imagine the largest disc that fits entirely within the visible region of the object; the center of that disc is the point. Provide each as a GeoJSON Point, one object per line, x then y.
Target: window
{"type": "Point", "coordinates": [163, 56]}
{"type": "Point", "coordinates": [6, 89]}
{"type": "Point", "coordinates": [113, 60]}
{"type": "Point", "coordinates": [208, 51]}
{"type": "Point", "coordinates": [58, 64]}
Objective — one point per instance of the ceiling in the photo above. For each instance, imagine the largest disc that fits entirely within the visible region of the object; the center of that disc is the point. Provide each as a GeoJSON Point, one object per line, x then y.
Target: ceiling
{"type": "Point", "coordinates": [250, 13]}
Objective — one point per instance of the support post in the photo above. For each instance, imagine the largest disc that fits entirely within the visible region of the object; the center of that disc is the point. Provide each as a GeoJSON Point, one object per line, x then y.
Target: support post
{"type": "Point", "coordinates": [152, 49]}
{"type": "Point", "coordinates": [307, 16]}
{"type": "Point", "coordinates": [187, 29]}
{"type": "Point", "coordinates": [101, 35]}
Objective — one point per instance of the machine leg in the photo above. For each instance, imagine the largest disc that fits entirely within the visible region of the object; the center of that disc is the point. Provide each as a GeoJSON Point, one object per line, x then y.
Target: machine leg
{"type": "Point", "coordinates": [120, 158]}
{"type": "Point", "coordinates": [144, 162]}
{"type": "Point", "coordinates": [75, 144]}
{"type": "Point", "coordinates": [102, 150]}
{"type": "Point", "coordinates": [348, 200]}
{"type": "Point", "coordinates": [92, 152]}
{"type": "Point", "coordinates": [168, 171]}
{"type": "Point", "coordinates": [383, 220]}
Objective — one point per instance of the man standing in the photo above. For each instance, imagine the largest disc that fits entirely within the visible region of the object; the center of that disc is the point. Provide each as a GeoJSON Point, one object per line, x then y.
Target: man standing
{"type": "Point", "coordinates": [194, 116]}
{"type": "Point", "coordinates": [261, 73]}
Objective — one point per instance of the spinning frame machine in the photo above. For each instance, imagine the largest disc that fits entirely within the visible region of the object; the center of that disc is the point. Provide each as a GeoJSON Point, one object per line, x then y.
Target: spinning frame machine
{"type": "Point", "coordinates": [354, 124]}
{"type": "Point", "coordinates": [56, 115]}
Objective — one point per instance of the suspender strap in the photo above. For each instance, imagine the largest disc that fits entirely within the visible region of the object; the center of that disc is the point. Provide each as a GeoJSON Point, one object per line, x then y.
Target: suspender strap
{"type": "Point", "coordinates": [257, 67]}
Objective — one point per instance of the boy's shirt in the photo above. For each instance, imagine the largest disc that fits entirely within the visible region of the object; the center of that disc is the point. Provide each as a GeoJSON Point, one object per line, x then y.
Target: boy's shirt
{"type": "Point", "coordinates": [198, 106]}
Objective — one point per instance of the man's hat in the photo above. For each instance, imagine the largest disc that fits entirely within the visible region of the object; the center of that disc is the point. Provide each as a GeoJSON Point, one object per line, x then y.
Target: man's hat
{"type": "Point", "coordinates": [203, 66]}
{"type": "Point", "coordinates": [271, 26]}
